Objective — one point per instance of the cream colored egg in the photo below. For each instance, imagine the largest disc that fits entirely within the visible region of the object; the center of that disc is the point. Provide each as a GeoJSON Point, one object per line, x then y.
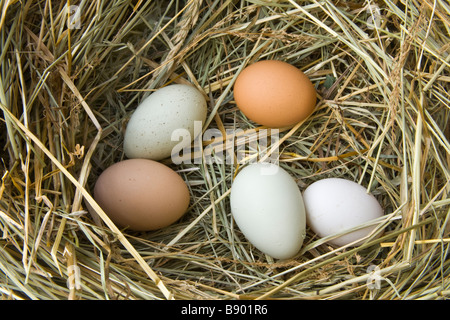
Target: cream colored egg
{"type": "Point", "coordinates": [174, 108]}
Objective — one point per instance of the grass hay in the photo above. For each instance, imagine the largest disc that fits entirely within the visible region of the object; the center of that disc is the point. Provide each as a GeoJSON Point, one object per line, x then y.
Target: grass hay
{"type": "Point", "coordinates": [72, 72]}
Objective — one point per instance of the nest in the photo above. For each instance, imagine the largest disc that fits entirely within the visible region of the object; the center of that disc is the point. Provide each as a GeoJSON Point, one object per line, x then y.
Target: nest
{"type": "Point", "coordinates": [73, 72]}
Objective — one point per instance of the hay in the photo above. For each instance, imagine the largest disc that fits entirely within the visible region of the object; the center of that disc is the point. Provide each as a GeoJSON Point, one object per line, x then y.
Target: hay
{"type": "Point", "coordinates": [382, 72]}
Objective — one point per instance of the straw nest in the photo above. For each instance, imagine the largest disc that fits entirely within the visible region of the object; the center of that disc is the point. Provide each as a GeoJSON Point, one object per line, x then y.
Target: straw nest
{"type": "Point", "coordinates": [382, 73]}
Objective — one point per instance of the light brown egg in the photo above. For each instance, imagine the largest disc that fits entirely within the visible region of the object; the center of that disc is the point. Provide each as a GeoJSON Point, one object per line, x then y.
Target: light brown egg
{"type": "Point", "coordinates": [274, 93]}
{"type": "Point", "coordinates": [141, 194]}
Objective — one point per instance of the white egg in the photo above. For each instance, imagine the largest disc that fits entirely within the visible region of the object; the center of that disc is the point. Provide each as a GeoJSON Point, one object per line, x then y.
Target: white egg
{"type": "Point", "coordinates": [267, 206]}
{"type": "Point", "coordinates": [336, 205]}
{"type": "Point", "coordinates": [149, 131]}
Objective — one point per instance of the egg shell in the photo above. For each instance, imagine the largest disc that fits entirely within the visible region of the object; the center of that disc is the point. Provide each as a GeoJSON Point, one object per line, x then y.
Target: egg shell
{"type": "Point", "coordinates": [267, 206]}
{"type": "Point", "coordinates": [141, 194]}
{"type": "Point", "coordinates": [274, 93]}
{"type": "Point", "coordinates": [335, 205]}
{"type": "Point", "coordinates": [149, 131]}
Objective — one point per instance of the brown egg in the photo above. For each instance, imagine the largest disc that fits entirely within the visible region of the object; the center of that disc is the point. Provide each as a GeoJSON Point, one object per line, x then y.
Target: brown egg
{"type": "Point", "coordinates": [141, 194]}
{"type": "Point", "coordinates": [274, 93]}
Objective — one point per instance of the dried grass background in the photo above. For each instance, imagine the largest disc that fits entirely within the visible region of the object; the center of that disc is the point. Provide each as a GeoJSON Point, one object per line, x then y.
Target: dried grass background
{"type": "Point", "coordinates": [381, 70]}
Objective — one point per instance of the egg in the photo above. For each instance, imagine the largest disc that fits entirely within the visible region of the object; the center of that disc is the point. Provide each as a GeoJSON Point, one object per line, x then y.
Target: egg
{"type": "Point", "coordinates": [274, 93]}
{"type": "Point", "coordinates": [334, 205]}
{"type": "Point", "coordinates": [150, 128]}
{"type": "Point", "coordinates": [141, 194]}
{"type": "Point", "coordinates": [267, 206]}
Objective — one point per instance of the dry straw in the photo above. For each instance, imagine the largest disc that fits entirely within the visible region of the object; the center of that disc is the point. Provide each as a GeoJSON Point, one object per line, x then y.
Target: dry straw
{"type": "Point", "coordinates": [73, 72]}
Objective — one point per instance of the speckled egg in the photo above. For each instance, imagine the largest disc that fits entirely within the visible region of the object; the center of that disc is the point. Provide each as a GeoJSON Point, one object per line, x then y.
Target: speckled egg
{"type": "Point", "coordinates": [171, 109]}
